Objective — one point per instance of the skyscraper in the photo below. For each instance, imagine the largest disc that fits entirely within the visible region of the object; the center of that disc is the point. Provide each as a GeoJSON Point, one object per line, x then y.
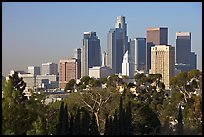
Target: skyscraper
{"type": "Point", "coordinates": [163, 62]}
{"type": "Point", "coordinates": [127, 65]}
{"type": "Point", "coordinates": [104, 60]}
{"type": "Point", "coordinates": [193, 60]}
{"type": "Point", "coordinates": [91, 52]}
{"type": "Point", "coordinates": [138, 52]}
{"type": "Point", "coordinates": [67, 71]}
{"type": "Point", "coordinates": [35, 70]}
{"type": "Point", "coordinates": [120, 23]}
{"type": "Point", "coordinates": [49, 69]}
{"type": "Point", "coordinates": [154, 36]}
{"type": "Point", "coordinates": [183, 47]}
{"type": "Point", "coordinates": [115, 49]}
{"type": "Point", "coordinates": [77, 56]}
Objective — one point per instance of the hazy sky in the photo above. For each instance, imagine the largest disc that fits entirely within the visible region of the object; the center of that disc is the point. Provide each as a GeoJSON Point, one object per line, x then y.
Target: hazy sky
{"type": "Point", "coordinates": [35, 33]}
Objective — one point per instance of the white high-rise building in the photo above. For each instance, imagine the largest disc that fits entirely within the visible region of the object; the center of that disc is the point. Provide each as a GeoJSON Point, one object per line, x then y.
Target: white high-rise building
{"type": "Point", "coordinates": [128, 65]}
{"type": "Point", "coordinates": [104, 59]}
{"type": "Point", "coordinates": [35, 70]}
{"type": "Point", "coordinates": [49, 69]}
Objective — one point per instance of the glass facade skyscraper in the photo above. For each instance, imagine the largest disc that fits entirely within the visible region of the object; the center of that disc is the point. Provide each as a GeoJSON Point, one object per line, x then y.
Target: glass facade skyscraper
{"type": "Point", "coordinates": [91, 52]}
{"type": "Point", "coordinates": [115, 49]}
{"type": "Point", "coordinates": [138, 50]}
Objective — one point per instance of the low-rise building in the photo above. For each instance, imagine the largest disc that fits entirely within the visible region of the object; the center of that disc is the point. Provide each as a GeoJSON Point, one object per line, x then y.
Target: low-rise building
{"type": "Point", "coordinates": [100, 71]}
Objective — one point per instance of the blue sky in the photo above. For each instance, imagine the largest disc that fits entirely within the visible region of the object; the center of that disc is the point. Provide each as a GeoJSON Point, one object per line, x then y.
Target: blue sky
{"type": "Point", "coordinates": [34, 33]}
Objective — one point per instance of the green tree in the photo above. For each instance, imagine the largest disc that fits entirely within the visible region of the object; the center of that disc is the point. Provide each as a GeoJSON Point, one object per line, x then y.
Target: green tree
{"type": "Point", "coordinates": [70, 85]}
{"type": "Point", "coordinates": [71, 128]}
{"type": "Point", "coordinates": [77, 123]}
{"type": "Point", "coordinates": [38, 127]}
{"type": "Point", "coordinates": [60, 119]}
{"type": "Point", "coordinates": [107, 130]}
{"type": "Point", "coordinates": [180, 122]}
{"type": "Point", "coordinates": [19, 114]}
{"type": "Point", "coordinates": [128, 119]}
{"type": "Point", "coordinates": [85, 121]}
{"type": "Point", "coordinates": [93, 127]}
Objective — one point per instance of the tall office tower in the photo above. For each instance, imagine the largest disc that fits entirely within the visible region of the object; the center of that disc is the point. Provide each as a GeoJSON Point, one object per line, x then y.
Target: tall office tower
{"type": "Point", "coordinates": [77, 55]}
{"type": "Point", "coordinates": [138, 50]}
{"type": "Point", "coordinates": [67, 71]}
{"type": "Point", "coordinates": [127, 65]}
{"type": "Point", "coordinates": [154, 36]}
{"type": "Point", "coordinates": [91, 52]}
{"type": "Point", "coordinates": [115, 49]}
{"type": "Point", "coordinates": [163, 62]}
{"type": "Point", "coordinates": [104, 56]}
{"type": "Point", "coordinates": [193, 60]}
{"type": "Point", "coordinates": [120, 23]}
{"type": "Point", "coordinates": [183, 47]}
{"type": "Point", "coordinates": [49, 69]}
{"type": "Point", "coordinates": [35, 70]}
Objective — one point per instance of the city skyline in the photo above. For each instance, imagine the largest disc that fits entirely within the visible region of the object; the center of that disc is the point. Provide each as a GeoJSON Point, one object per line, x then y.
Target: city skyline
{"type": "Point", "coordinates": [34, 33]}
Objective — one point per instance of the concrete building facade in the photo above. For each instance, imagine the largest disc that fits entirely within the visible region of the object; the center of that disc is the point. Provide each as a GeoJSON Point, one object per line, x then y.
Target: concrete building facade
{"type": "Point", "coordinates": [128, 65]}
{"type": "Point", "coordinates": [100, 71]}
{"type": "Point", "coordinates": [67, 71]}
{"type": "Point", "coordinates": [35, 70]}
{"type": "Point", "coordinates": [49, 68]}
{"type": "Point", "coordinates": [163, 62]}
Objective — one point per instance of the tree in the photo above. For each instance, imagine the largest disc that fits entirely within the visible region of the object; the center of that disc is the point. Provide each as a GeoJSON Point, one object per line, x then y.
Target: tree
{"type": "Point", "coordinates": [180, 121]}
{"type": "Point", "coordinates": [147, 120]}
{"type": "Point", "coordinates": [128, 120]}
{"type": "Point", "coordinates": [60, 121]}
{"type": "Point", "coordinates": [38, 127]}
{"type": "Point", "coordinates": [107, 130]}
{"type": "Point", "coordinates": [115, 125]}
{"type": "Point", "coordinates": [85, 121]}
{"type": "Point", "coordinates": [70, 85]}
{"type": "Point", "coordinates": [65, 125]}
{"type": "Point", "coordinates": [93, 130]}
{"type": "Point", "coordinates": [121, 117]}
{"type": "Point", "coordinates": [71, 128]}
{"type": "Point", "coordinates": [77, 123]}
{"type": "Point", "coordinates": [19, 114]}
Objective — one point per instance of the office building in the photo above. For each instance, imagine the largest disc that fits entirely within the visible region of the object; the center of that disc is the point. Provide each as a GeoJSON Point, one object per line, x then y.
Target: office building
{"type": "Point", "coordinates": [127, 65]}
{"type": "Point", "coordinates": [104, 59]}
{"type": "Point", "coordinates": [183, 47]}
{"type": "Point", "coordinates": [49, 69]}
{"type": "Point", "coordinates": [47, 81]}
{"type": "Point", "coordinates": [91, 52]}
{"type": "Point", "coordinates": [185, 59]}
{"type": "Point", "coordinates": [120, 23]}
{"type": "Point", "coordinates": [77, 55]}
{"type": "Point", "coordinates": [115, 49]}
{"type": "Point", "coordinates": [193, 60]}
{"type": "Point", "coordinates": [137, 49]}
{"type": "Point", "coordinates": [163, 62]}
{"type": "Point", "coordinates": [100, 72]}
{"type": "Point", "coordinates": [35, 70]}
{"type": "Point", "coordinates": [67, 71]}
{"type": "Point", "coordinates": [154, 36]}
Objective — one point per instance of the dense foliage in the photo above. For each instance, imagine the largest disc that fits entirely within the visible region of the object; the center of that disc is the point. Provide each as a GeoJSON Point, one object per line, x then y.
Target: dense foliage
{"type": "Point", "coordinates": [144, 107]}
